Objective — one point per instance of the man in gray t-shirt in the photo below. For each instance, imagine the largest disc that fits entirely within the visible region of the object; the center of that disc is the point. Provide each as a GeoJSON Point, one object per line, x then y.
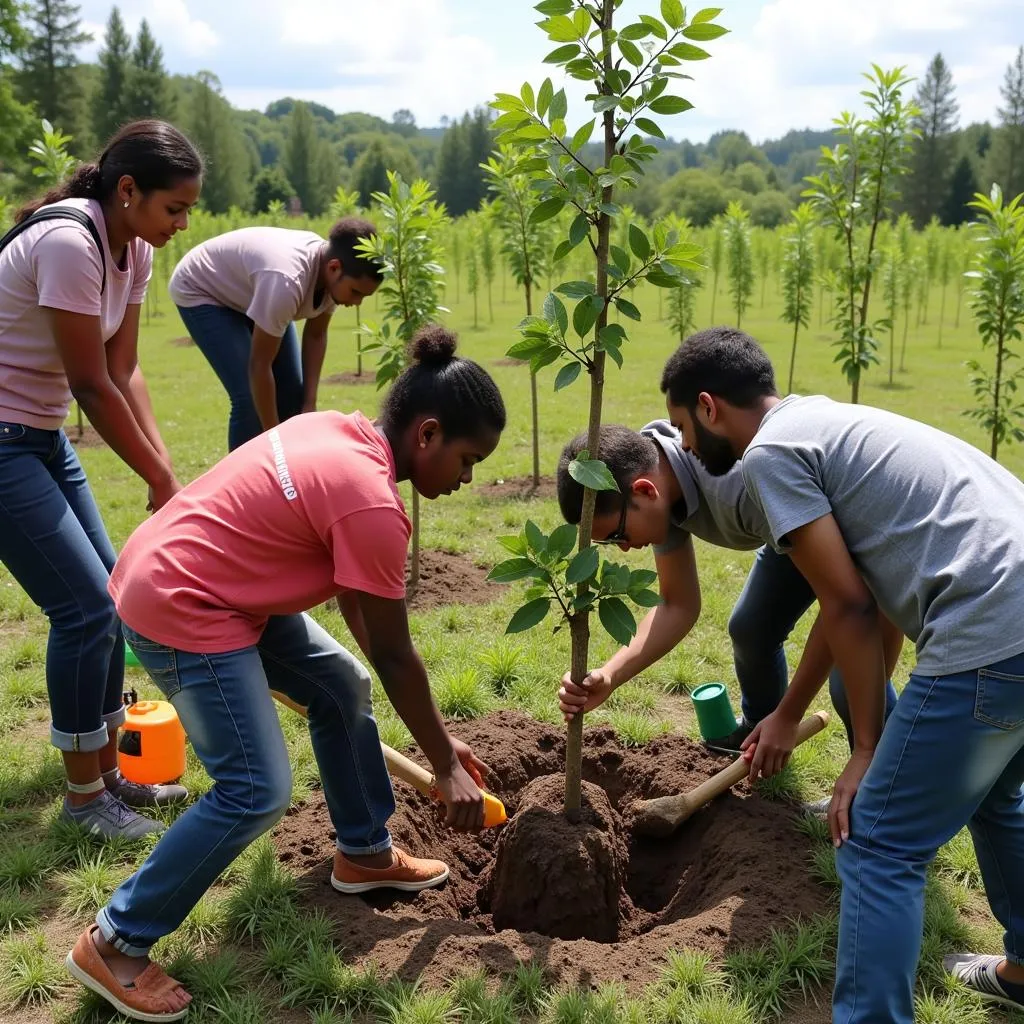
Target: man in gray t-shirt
{"type": "Point", "coordinates": [666, 499]}
{"type": "Point", "coordinates": [879, 511]}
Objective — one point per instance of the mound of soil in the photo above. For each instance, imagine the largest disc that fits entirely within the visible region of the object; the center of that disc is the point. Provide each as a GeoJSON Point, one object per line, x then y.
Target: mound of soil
{"type": "Point", "coordinates": [449, 578]}
{"type": "Point", "coordinates": [351, 377]}
{"type": "Point", "coordinates": [556, 878]}
{"type": "Point", "coordinates": [89, 438]}
{"type": "Point", "coordinates": [733, 872]}
{"type": "Point", "coordinates": [519, 488]}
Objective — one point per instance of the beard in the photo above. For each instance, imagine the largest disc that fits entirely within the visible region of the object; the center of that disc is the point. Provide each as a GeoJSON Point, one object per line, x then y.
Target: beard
{"type": "Point", "coordinates": [714, 452]}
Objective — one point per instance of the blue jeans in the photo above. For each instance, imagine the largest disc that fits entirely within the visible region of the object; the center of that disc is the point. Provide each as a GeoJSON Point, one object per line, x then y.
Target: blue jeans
{"type": "Point", "coordinates": [772, 602]}
{"type": "Point", "coordinates": [224, 703]}
{"type": "Point", "coordinates": [53, 542]}
{"type": "Point", "coordinates": [952, 754]}
{"type": "Point", "coordinates": [224, 336]}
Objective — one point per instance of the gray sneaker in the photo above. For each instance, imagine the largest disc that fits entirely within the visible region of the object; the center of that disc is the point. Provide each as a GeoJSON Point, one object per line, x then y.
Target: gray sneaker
{"type": "Point", "coordinates": [135, 794]}
{"type": "Point", "coordinates": [108, 817]}
{"type": "Point", "coordinates": [978, 972]}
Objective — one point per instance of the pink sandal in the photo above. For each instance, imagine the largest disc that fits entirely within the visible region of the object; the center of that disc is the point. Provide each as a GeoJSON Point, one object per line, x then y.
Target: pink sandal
{"type": "Point", "coordinates": [142, 1000]}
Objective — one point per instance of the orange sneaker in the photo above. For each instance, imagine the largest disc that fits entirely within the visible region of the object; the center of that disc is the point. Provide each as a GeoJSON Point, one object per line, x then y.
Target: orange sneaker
{"type": "Point", "coordinates": [408, 873]}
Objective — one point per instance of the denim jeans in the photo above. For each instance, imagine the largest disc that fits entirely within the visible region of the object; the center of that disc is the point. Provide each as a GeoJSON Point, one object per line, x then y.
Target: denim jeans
{"type": "Point", "coordinates": [772, 602]}
{"type": "Point", "coordinates": [224, 336]}
{"type": "Point", "coordinates": [952, 754]}
{"type": "Point", "coordinates": [53, 542]}
{"type": "Point", "coordinates": [225, 706]}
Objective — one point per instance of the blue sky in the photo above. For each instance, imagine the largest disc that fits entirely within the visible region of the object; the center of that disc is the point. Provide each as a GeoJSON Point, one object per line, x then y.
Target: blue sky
{"type": "Point", "coordinates": [785, 64]}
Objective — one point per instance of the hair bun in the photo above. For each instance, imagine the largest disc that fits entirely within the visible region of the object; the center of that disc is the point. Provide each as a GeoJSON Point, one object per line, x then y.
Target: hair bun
{"type": "Point", "coordinates": [434, 345]}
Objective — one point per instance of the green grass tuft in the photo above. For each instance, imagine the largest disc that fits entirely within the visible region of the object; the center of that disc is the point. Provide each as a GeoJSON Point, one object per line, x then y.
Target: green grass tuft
{"type": "Point", "coordinates": [460, 694]}
{"type": "Point", "coordinates": [269, 889]}
{"type": "Point", "coordinates": [89, 885]}
{"type": "Point", "coordinates": [30, 974]}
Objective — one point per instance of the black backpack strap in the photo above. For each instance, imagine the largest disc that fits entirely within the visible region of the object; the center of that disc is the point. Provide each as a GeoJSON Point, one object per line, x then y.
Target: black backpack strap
{"type": "Point", "coordinates": [61, 213]}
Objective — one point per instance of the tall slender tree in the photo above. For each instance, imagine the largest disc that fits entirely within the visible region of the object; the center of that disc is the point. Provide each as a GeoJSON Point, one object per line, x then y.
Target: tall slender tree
{"type": "Point", "coordinates": [739, 258]}
{"type": "Point", "coordinates": [1007, 160]}
{"type": "Point", "coordinates": [111, 105]}
{"type": "Point", "coordinates": [798, 277]}
{"type": "Point", "coordinates": [150, 94]}
{"type": "Point", "coordinates": [17, 120]}
{"type": "Point", "coordinates": [47, 64]}
{"type": "Point", "coordinates": [307, 161]}
{"type": "Point", "coordinates": [226, 181]}
{"type": "Point", "coordinates": [931, 161]}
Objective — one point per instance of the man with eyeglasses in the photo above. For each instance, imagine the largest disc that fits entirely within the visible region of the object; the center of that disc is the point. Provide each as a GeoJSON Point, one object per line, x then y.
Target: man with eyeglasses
{"type": "Point", "coordinates": [666, 497]}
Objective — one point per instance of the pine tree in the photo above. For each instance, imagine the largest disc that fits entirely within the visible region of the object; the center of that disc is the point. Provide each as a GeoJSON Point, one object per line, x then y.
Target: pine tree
{"type": "Point", "coordinates": [307, 161]}
{"type": "Point", "coordinates": [963, 186]}
{"type": "Point", "coordinates": [932, 157]}
{"type": "Point", "coordinates": [150, 93]}
{"type": "Point", "coordinates": [111, 104]}
{"type": "Point", "coordinates": [213, 130]}
{"type": "Point", "coordinates": [47, 67]}
{"type": "Point", "coordinates": [17, 120]}
{"type": "Point", "coordinates": [1008, 148]}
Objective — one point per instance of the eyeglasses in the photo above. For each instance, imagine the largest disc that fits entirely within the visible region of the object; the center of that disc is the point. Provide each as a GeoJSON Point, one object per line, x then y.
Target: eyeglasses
{"type": "Point", "coordinates": [618, 535]}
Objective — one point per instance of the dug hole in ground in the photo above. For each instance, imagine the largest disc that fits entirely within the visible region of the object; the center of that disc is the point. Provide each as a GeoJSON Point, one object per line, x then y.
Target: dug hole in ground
{"type": "Point", "coordinates": [589, 903]}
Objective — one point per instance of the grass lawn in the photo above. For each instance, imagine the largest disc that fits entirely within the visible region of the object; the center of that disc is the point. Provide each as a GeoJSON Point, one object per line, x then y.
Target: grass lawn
{"type": "Point", "coordinates": [247, 952]}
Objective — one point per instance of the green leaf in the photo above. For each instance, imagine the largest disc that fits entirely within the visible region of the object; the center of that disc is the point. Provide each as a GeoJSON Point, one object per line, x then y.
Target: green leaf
{"type": "Point", "coordinates": [561, 54]}
{"type": "Point", "coordinates": [613, 351]}
{"type": "Point", "coordinates": [626, 308]}
{"type": "Point", "coordinates": [583, 566]}
{"type": "Point", "coordinates": [631, 52]}
{"type": "Point", "coordinates": [684, 51]}
{"type": "Point", "coordinates": [612, 334]}
{"type": "Point", "coordinates": [584, 316]}
{"type": "Point", "coordinates": [544, 95]}
{"type": "Point", "coordinates": [660, 279]}
{"type": "Point", "coordinates": [582, 136]}
{"type": "Point", "coordinates": [645, 598]}
{"type": "Point", "coordinates": [583, 601]}
{"type": "Point", "coordinates": [555, 312]}
{"type": "Point", "coordinates": [620, 258]}
{"type": "Point", "coordinates": [616, 617]}
{"type": "Point", "coordinates": [603, 103]}
{"type": "Point", "coordinates": [638, 30]}
{"type": "Point", "coordinates": [528, 348]}
{"type": "Point", "coordinates": [562, 540]}
{"type": "Point", "coordinates": [567, 374]}
{"type": "Point", "coordinates": [512, 569]}
{"type": "Point", "coordinates": [615, 578]}
{"type": "Point", "coordinates": [559, 105]}
{"type": "Point", "coordinates": [654, 25]}
{"type": "Point", "coordinates": [579, 229]}
{"type": "Point", "coordinates": [708, 14]}
{"type": "Point", "coordinates": [552, 7]}
{"type": "Point", "coordinates": [592, 473]}
{"type": "Point", "coordinates": [562, 250]}
{"type": "Point", "coordinates": [546, 209]}
{"type": "Point", "coordinates": [576, 289]}
{"type": "Point", "coordinates": [640, 578]}
{"type": "Point", "coordinates": [703, 33]}
{"type": "Point", "coordinates": [639, 242]}
{"type": "Point", "coordinates": [649, 127]}
{"type": "Point", "coordinates": [560, 29]}
{"type": "Point", "coordinates": [526, 92]}
{"type": "Point", "coordinates": [545, 358]}
{"type": "Point", "coordinates": [670, 105]}
{"type": "Point", "coordinates": [672, 13]}
{"type": "Point", "coordinates": [514, 542]}
{"type": "Point", "coordinates": [535, 537]}
{"type": "Point", "coordinates": [531, 613]}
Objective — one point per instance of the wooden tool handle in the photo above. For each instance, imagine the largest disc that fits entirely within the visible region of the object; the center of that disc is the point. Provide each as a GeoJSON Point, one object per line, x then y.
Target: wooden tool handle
{"type": "Point", "coordinates": [740, 769]}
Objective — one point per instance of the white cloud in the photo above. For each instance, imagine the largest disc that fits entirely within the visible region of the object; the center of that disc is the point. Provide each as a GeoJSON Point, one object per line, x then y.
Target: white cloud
{"type": "Point", "coordinates": [171, 22]}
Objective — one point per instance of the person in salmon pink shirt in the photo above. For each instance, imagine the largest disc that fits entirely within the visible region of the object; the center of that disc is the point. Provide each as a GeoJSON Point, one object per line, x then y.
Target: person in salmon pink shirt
{"type": "Point", "coordinates": [73, 275]}
{"type": "Point", "coordinates": [212, 592]}
{"type": "Point", "coordinates": [239, 295]}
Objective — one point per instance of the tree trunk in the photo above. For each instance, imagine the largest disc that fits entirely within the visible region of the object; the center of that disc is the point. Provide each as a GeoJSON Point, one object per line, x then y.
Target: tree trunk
{"type": "Point", "coordinates": [892, 348]}
{"type": "Point", "coordinates": [942, 313]}
{"type": "Point", "coordinates": [903, 344]}
{"type": "Point", "coordinates": [995, 398]}
{"type": "Point", "coordinates": [580, 622]}
{"type": "Point", "coordinates": [714, 295]}
{"type": "Point", "coordinates": [792, 357]}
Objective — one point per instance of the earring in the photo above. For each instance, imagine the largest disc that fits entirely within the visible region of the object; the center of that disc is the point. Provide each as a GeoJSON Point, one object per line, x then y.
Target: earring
{"type": "Point", "coordinates": [126, 204]}
{"type": "Point", "coordinates": [423, 444]}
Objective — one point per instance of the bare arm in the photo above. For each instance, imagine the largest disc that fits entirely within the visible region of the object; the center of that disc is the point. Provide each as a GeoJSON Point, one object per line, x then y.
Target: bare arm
{"type": "Point", "coordinates": [404, 678]}
{"type": "Point", "coordinates": [314, 349]}
{"type": "Point", "coordinates": [125, 372]}
{"type": "Point", "coordinates": [351, 609]}
{"type": "Point", "coordinates": [80, 344]}
{"type": "Point", "coordinates": [658, 633]}
{"type": "Point", "coordinates": [261, 376]}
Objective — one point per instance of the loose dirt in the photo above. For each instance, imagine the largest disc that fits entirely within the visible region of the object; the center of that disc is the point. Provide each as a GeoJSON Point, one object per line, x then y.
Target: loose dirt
{"type": "Point", "coordinates": [351, 377]}
{"type": "Point", "coordinates": [731, 874]}
{"type": "Point", "coordinates": [184, 342]}
{"type": "Point", "coordinates": [90, 437]}
{"type": "Point", "coordinates": [449, 578]}
{"type": "Point", "coordinates": [518, 488]}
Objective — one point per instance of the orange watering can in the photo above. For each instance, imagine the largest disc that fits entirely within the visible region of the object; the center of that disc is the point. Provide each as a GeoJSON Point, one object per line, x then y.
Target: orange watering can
{"type": "Point", "coordinates": [151, 749]}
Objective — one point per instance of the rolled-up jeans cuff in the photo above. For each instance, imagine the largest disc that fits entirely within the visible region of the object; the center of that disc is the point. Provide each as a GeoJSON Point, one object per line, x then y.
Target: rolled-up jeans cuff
{"type": "Point", "coordinates": [115, 718]}
{"type": "Point", "coordinates": [107, 929]}
{"type": "Point", "coordinates": [79, 742]}
{"type": "Point", "coordinates": [365, 851]}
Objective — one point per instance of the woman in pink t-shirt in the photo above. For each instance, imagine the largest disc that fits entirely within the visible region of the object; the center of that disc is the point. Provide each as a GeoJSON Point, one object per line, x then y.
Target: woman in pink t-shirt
{"type": "Point", "coordinates": [211, 591]}
{"type": "Point", "coordinates": [73, 274]}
